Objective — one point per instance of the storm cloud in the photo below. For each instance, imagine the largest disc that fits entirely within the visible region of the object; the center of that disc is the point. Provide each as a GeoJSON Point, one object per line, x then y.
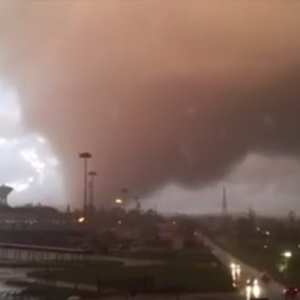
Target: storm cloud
{"type": "Point", "coordinates": [160, 92]}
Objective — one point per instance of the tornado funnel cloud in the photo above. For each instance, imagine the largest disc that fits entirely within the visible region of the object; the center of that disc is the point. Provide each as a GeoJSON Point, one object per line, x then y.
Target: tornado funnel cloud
{"type": "Point", "coordinates": [160, 93]}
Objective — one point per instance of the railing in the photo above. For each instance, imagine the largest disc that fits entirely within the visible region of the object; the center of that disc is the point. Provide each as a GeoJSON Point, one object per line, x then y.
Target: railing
{"type": "Point", "coordinates": [44, 248]}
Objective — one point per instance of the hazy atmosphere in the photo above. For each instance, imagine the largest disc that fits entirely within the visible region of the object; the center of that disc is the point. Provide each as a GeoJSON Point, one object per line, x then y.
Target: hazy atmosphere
{"type": "Point", "coordinates": [174, 99]}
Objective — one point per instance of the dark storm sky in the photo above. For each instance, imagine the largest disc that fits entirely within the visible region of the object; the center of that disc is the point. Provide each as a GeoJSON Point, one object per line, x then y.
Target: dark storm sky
{"type": "Point", "coordinates": [160, 92]}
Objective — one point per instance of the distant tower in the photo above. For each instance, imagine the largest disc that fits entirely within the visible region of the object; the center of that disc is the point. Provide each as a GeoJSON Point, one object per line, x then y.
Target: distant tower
{"type": "Point", "coordinates": [251, 213]}
{"type": "Point", "coordinates": [137, 204]}
{"type": "Point", "coordinates": [224, 202]}
{"type": "Point", "coordinates": [4, 192]}
{"type": "Point", "coordinates": [68, 210]}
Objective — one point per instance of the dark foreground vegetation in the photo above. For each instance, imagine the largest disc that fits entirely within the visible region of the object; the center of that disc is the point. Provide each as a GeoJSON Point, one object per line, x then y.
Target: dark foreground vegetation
{"type": "Point", "coordinates": [181, 271]}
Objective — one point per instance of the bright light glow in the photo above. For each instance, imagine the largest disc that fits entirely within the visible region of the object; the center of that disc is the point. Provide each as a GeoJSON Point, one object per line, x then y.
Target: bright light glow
{"type": "Point", "coordinates": [81, 220]}
{"type": "Point", "coordinates": [256, 291]}
{"type": "Point", "coordinates": [27, 161]}
{"type": "Point", "coordinates": [119, 201]}
{"type": "Point", "coordinates": [248, 292]}
{"type": "Point", "coordinates": [287, 254]}
{"type": "Point", "coordinates": [253, 289]}
{"type": "Point", "coordinates": [8, 142]}
{"type": "Point", "coordinates": [267, 233]}
{"type": "Point", "coordinates": [233, 275]}
{"type": "Point", "coordinates": [265, 246]}
{"type": "Point", "coordinates": [2, 141]}
{"type": "Point", "coordinates": [37, 164]}
{"type": "Point", "coordinates": [120, 222]}
{"type": "Point", "coordinates": [22, 185]}
{"type": "Point", "coordinates": [258, 229]}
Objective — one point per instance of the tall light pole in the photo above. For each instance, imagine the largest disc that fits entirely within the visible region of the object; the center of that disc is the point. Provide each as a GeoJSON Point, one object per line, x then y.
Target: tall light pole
{"type": "Point", "coordinates": [287, 255]}
{"type": "Point", "coordinates": [85, 156]}
{"type": "Point", "coordinates": [92, 174]}
{"type": "Point", "coordinates": [137, 203]}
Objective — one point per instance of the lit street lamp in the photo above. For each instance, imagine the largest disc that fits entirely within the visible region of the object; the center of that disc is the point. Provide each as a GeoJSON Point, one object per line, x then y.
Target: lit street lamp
{"type": "Point", "coordinates": [287, 255]}
{"type": "Point", "coordinates": [119, 201]}
{"type": "Point", "coordinates": [81, 220]}
{"type": "Point", "coordinates": [85, 156]}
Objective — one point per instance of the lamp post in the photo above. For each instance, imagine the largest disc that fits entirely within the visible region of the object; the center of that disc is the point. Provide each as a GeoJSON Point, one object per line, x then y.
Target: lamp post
{"type": "Point", "coordinates": [85, 156]}
{"type": "Point", "coordinates": [125, 193]}
{"type": "Point", "coordinates": [137, 203]}
{"type": "Point", "coordinates": [92, 175]}
{"type": "Point", "coordinates": [287, 255]}
{"type": "Point", "coordinates": [119, 201]}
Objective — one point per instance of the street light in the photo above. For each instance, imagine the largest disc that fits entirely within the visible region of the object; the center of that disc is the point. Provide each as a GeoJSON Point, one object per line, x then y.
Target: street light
{"type": "Point", "coordinates": [287, 255]}
{"type": "Point", "coordinates": [85, 156]}
{"type": "Point", "coordinates": [119, 201]}
{"type": "Point", "coordinates": [92, 174]}
{"type": "Point", "coordinates": [81, 220]}
{"type": "Point", "coordinates": [232, 266]}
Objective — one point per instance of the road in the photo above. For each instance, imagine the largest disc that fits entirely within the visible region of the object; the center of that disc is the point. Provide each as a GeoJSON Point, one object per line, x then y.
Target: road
{"type": "Point", "coordinates": [272, 291]}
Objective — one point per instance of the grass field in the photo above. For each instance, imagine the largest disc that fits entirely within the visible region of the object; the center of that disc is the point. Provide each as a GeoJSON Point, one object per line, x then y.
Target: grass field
{"type": "Point", "coordinates": [165, 277]}
{"type": "Point", "coordinates": [199, 255]}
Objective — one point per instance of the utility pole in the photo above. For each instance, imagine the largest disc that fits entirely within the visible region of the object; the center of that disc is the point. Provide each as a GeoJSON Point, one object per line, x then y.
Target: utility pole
{"type": "Point", "coordinates": [92, 175]}
{"type": "Point", "coordinates": [137, 204]}
{"type": "Point", "coordinates": [224, 202]}
{"type": "Point", "coordinates": [85, 156]}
